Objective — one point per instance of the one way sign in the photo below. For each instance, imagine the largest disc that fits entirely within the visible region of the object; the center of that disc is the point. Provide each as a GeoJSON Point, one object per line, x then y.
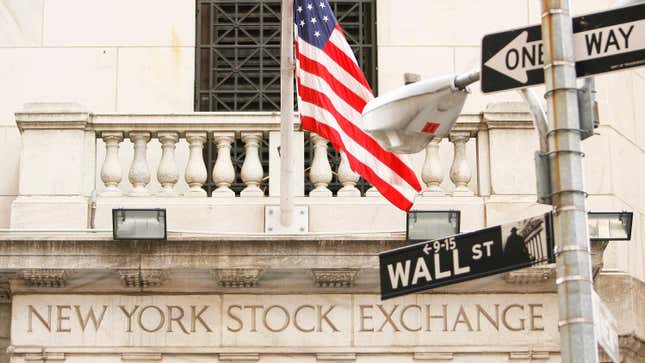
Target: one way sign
{"type": "Point", "coordinates": [603, 42]}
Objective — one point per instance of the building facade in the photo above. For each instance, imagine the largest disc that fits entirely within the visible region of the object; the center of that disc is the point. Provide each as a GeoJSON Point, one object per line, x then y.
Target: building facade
{"type": "Point", "coordinates": [172, 104]}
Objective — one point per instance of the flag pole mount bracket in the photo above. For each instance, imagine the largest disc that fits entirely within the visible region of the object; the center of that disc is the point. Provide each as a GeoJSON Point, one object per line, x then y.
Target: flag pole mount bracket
{"type": "Point", "coordinates": [299, 224]}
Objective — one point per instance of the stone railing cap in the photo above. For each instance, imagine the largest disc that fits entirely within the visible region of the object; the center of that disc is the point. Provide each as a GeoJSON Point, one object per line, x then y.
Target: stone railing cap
{"type": "Point", "coordinates": [53, 107]}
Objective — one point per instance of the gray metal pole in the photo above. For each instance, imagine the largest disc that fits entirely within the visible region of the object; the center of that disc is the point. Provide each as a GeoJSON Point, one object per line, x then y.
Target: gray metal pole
{"type": "Point", "coordinates": [286, 115]}
{"type": "Point", "coordinates": [574, 281]}
{"type": "Point", "coordinates": [539, 117]}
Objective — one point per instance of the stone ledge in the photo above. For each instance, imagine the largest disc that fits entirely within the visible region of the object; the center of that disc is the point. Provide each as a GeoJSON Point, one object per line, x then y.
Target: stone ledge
{"type": "Point", "coordinates": [336, 357]}
{"type": "Point", "coordinates": [141, 356]}
{"type": "Point", "coordinates": [439, 356]}
{"type": "Point", "coordinates": [529, 355]}
{"type": "Point", "coordinates": [44, 357]}
{"type": "Point", "coordinates": [239, 357]}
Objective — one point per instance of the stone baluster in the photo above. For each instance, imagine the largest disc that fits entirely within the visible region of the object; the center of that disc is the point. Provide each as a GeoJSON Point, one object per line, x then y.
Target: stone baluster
{"type": "Point", "coordinates": [223, 171]}
{"type": "Point", "coordinates": [195, 173]}
{"type": "Point", "coordinates": [252, 172]}
{"type": "Point", "coordinates": [348, 178]}
{"type": "Point", "coordinates": [432, 172]}
{"type": "Point", "coordinates": [320, 172]}
{"type": "Point", "coordinates": [139, 174]}
{"type": "Point", "coordinates": [460, 172]}
{"type": "Point", "coordinates": [111, 172]}
{"type": "Point", "coordinates": [167, 173]}
{"type": "Point", "coordinates": [372, 192]}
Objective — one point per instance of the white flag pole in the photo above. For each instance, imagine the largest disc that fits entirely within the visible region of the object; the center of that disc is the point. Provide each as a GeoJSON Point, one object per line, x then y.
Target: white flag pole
{"type": "Point", "coordinates": [286, 115]}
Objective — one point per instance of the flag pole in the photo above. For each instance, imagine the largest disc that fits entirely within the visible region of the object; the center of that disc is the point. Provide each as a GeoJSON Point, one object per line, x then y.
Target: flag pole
{"type": "Point", "coordinates": [286, 115]}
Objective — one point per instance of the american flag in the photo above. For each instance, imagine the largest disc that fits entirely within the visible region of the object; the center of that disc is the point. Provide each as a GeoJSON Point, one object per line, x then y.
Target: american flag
{"type": "Point", "coordinates": [332, 92]}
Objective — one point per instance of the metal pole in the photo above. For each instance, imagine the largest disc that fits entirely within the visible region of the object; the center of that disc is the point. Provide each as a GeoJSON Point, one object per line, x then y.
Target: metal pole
{"type": "Point", "coordinates": [539, 117]}
{"type": "Point", "coordinates": [286, 115]}
{"type": "Point", "coordinates": [574, 281]}
{"type": "Point", "coordinates": [465, 79]}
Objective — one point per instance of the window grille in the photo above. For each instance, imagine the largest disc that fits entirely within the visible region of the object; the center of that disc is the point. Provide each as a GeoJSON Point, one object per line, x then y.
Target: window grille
{"type": "Point", "coordinates": [238, 51]}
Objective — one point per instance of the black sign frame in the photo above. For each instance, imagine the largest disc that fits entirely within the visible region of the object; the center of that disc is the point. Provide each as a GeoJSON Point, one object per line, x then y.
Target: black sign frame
{"type": "Point", "coordinates": [494, 81]}
{"type": "Point", "coordinates": [494, 266]}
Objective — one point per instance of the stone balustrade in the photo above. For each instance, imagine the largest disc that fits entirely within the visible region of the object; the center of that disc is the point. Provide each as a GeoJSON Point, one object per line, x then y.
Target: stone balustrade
{"type": "Point", "coordinates": [113, 130]}
{"type": "Point", "coordinates": [159, 161]}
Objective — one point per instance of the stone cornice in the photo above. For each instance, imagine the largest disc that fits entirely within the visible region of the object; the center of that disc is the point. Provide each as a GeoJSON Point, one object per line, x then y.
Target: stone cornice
{"type": "Point", "coordinates": [286, 264]}
{"type": "Point", "coordinates": [52, 116]}
{"type": "Point", "coordinates": [334, 277]}
{"type": "Point", "coordinates": [507, 115]}
{"type": "Point", "coordinates": [142, 278]}
{"type": "Point", "coordinates": [237, 277]}
{"type": "Point", "coordinates": [47, 278]}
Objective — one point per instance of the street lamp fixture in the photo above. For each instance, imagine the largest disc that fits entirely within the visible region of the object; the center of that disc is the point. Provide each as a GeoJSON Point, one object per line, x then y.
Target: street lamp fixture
{"type": "Point", "coordinates": [610, 226]}
{"type": "Point", "coordinates": [129, 224]}
{"type": "Point", "coordinates": [425, 225]}
{"type": "Point", "coordinates": [406, 119]}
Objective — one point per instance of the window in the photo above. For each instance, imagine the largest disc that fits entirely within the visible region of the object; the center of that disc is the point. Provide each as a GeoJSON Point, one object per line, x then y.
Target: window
{"type": "Point", "coordinates": [238, 51]}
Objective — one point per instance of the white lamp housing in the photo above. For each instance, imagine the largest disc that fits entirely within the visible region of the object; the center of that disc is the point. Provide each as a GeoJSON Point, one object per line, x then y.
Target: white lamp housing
{"type": "Point", "coordinates": [408, 118]}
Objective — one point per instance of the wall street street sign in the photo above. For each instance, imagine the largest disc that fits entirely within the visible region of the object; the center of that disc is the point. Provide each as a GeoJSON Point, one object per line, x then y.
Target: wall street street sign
{"type": "Point", "coordinates": [466, 256]}
{"type": "Point", "coordinates": [603, 42]}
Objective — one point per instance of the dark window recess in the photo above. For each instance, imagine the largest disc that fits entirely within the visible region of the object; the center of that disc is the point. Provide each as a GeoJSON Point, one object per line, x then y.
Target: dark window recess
{"type": "Point", "coordinates": [238, 51]}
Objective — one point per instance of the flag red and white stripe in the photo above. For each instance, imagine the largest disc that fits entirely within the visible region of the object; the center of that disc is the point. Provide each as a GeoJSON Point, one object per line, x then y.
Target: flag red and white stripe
{"type": "Point", "coordinates": [332, 93]}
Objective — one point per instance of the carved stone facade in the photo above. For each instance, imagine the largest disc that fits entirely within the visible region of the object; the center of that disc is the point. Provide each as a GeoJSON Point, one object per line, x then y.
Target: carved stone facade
{"type": "Point", "coordinates": [334, 277]}
{"type": "Point", "coordinates": [142, 278]}
{"type": "Point", "coordinates": [237, 277]}
{"type": "Point", "coordinates": [45, 277]}
{"type": "Point", "coordinates": [228, 284]}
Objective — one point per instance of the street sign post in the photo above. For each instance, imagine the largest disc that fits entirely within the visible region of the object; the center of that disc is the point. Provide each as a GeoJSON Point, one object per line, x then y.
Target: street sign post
{"type": "Point", "coordinates": [605, 328]}
{"type": "Point", "coordinates": [467, 256]}
{"type": "Point", "coordinates": [603, 42]}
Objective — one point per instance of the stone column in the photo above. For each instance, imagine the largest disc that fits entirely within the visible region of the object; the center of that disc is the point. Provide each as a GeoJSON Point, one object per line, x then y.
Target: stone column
{"type": "Point", "coordinates": [320, 171]}
{"type": "Point", "coordinates": [252, 172]}
{"type": "Point", "coordinates": [432, 172]}
{"type": "Point", "coordinates": [195, 168]}
{"type": "Point", "coordinates": [139, 175]}
{"type": "Point", "coordinates": [57, 167]}
{"type": "Point", "coordinates": [111, 171]}
{"type": "Point", "coordinates": [223, 171]}
{"type": "Point", "coordinates": [460, 172]}
{"type": "Point", "coordinates": [167, 173]}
